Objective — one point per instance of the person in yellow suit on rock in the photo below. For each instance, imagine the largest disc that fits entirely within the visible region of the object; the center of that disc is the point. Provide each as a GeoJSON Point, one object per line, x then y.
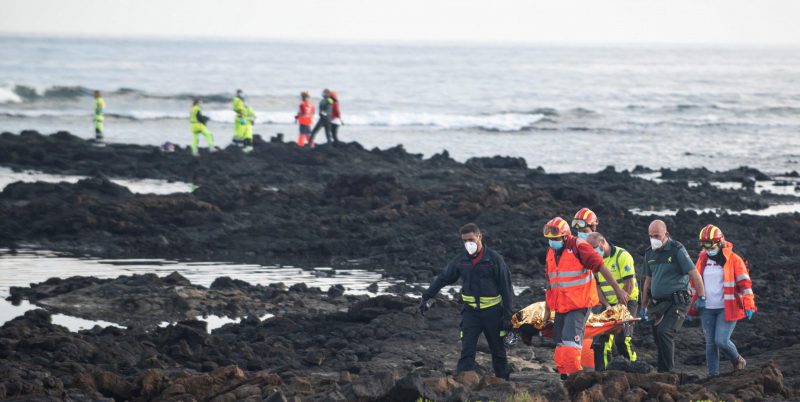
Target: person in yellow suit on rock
{"type": "Point", "coordinates": [240, 118]}
{"type": "Point", "coordinates": [197, 121]}
{"type": "Point", "coordinates": [250, 116]}
{"type": "Point", "coordinates": [99, 108]}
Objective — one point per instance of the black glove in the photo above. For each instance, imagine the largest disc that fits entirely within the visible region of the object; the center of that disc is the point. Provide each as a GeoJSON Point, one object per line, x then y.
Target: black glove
{"type": "Point", "coordinates": [506, 325]}
{"type": "Point", "coordinates": [424, 305]}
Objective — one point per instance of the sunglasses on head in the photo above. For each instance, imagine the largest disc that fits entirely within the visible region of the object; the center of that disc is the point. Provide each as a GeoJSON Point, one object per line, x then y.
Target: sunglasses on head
{"type": "Point", "coordinates": [579, 223]}
{"type": "Point", "coordinates": [707, 244]}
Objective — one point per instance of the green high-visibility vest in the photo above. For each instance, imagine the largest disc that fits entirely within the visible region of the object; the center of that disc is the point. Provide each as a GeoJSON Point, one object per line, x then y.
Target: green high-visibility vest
{"type": "Point", "coordinates": [620, 263]}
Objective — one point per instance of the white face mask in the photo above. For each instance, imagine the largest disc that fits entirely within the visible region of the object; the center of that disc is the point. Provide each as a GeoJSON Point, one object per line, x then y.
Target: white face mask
{"type": "Point", "coordinates": [655, 244]}
{"type": "Point", "coordinates": [471, 247]}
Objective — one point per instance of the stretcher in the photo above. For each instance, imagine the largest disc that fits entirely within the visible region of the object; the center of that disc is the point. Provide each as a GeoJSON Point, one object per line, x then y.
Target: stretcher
{"type": "Point", "coordinates": [530, 321]}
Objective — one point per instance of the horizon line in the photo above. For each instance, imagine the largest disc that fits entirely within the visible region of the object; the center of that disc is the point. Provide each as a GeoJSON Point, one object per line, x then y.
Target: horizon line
{"type": "Point", "coordinates": [388, 42]}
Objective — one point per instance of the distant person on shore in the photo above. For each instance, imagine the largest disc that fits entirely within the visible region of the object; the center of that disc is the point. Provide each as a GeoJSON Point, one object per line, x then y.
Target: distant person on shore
{"type": "Point", "coordinates": [198, 122]}
{"type": "Point", "coordinates": [665, 296]}
{"type": "Point", "coordinates": [250, 115]}
{"type": "Point", "coordinates": [325, 108]}
{"type": "Point", "coordinates": [240, 118]}
{"type": "Point", "coordinates": [729, 297]}
{"type": "Point", "coordinates": [486, 292]}
{"type": "Point", "coordinates": [99, 108]}
{"type": "Point", "coordinates": [336, 117]}
{"type": "Point", "coordinates": [304, 118]}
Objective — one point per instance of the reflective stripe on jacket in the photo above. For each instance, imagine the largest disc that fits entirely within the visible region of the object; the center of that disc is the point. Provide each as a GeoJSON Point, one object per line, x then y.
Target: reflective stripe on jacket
{"type": "Point", "coordinates": [737, 289]}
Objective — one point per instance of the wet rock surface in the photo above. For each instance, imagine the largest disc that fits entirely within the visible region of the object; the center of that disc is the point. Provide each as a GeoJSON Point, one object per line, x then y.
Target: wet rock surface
{"type": "Point", "coordinates": [381, 210]}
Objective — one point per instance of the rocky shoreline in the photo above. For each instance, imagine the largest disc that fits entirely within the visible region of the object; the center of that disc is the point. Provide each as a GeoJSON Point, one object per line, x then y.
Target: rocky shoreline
{"type": "Point", "coordinates": [387, 211]}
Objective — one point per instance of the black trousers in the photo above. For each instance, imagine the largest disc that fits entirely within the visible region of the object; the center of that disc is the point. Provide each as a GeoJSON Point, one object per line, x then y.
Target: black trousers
{"type": "Point", "coordinates": [335, 132]}
{"type": "Point", "coordinates": [489, 322]}
{"type": "Point", "coordinates": [667, 318]}
{"type": "Point", "coordinates": [323, 122]}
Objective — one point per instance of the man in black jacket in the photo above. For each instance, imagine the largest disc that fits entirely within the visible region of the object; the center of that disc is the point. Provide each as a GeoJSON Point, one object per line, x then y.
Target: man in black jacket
{"type": "Point", "coordinates": [487, 296]}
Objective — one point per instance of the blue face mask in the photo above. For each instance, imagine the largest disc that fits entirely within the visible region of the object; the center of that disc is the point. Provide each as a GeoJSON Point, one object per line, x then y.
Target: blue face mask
{"type": "Point", "coordinates": [599, 251]}
{"type": "Point", "coordinates": [583, 236]}
{"type": "Point", "coordinates": [556, 244]}
{"type": "Point", "coordinates": [713, 252]}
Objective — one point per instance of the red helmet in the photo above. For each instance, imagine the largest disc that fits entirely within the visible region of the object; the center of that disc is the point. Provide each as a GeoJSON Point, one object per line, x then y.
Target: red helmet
{"type": "Point", "coordinates": [555, 228]}
{"type": "Point", "coordinates": [585, 217]}
{"type": "Point", "coordinates": [711, 234]}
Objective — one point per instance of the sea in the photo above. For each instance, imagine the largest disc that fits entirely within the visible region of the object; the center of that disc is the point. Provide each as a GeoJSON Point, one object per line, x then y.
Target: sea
{"type": "Point", "coordinates": [564, 108]}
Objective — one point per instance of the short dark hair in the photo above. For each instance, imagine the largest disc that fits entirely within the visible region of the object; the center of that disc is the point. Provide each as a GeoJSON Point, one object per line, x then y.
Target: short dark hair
{"type": "Point", "coordinates": [469, 228]}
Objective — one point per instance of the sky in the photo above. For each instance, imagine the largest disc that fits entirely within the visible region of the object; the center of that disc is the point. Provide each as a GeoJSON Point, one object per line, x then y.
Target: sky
{"type": "Point", "coordinates": [748, 22]}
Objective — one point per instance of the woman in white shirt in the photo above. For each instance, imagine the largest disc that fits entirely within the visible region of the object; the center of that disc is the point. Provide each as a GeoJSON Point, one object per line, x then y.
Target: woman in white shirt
{"type": "Point", "coordinates": [729, 297]}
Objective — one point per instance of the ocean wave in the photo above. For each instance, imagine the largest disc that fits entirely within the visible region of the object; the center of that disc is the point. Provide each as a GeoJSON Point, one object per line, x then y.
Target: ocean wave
{"type": "Point", "coordinates": [501, 122]}
{"type": "Point", "coordinates": [15, 93]}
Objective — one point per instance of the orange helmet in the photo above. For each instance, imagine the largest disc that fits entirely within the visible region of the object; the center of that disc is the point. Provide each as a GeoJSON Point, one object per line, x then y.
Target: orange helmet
{"type": "Point", "coordinates": [585, 217]}
{"type": "Point", "coordinates": [555, 228]}
{"type": "Point", "coordinates": [711, 234]}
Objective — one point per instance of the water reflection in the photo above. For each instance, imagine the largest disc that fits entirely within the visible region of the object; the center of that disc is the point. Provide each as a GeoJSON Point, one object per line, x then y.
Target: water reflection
{"type": "Point", "coordinates": [139, 186]}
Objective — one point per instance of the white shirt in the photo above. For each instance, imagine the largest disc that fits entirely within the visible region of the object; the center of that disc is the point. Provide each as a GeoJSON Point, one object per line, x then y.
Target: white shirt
{"type": "Point", "coordinates": [712, 280]}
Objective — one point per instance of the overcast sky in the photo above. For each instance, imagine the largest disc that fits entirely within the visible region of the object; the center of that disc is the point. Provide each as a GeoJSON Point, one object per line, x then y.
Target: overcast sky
{"type": "Point", "coordinates": [534, 21]}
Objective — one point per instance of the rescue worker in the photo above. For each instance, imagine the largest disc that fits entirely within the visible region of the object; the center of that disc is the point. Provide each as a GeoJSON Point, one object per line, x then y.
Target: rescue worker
{"type": "Point", "coordinates": [620, 262]}
{"type": "Point", "coordinates": [729, 297]}
{"type": "Point", "coordinates": [336, 117]}
{"type": "Point", "coordinates": [571, 291]}
{"type": "Point", "coordinates": [99, 107]}
{"type": "Point", "coordinates": [198, 122]}
{"type": "Point", "coordinates": [487, 296]}
{"type": "Point", "coordinates": [304, 118]}
{"type": "Point", "coordinates": [325, 108]}
{"type": "Point", "coordinates": [665, 297]}
{"type": "Point", "coordinates": [247, 138]}
{"type": "Point", "coordinates": [240, 118]}
{"type": "Point", "coordinates": [584, 222]}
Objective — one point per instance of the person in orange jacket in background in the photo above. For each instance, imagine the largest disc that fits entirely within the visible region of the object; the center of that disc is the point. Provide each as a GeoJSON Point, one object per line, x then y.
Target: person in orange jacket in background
{"type": "Point", "coordinates": [571, 291]}
{"type": "Point", "coordinates": [305, 117]}
{"type": "Point", "coordinates": [729, 297]}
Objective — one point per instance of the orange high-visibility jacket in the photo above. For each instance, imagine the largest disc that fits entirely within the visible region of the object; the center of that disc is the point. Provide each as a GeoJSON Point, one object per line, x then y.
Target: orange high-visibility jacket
{"type": "Point", "coordinates": [571, 284]}
{"type": "Point", "coordinates": [737, 289]}
{"type": "Point", "coordinates": [305, 115]}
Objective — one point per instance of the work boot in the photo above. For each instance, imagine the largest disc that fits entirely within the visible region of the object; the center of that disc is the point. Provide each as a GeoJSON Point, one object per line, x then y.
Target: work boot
{"type": "Point", "coordinates": [739, 363]}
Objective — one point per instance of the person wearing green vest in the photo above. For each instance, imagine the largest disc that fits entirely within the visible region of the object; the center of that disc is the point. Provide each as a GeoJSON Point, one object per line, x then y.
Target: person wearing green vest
{"type": "Point", "coordinates": [620, 262]}
{"type": "Point", "coordinates": [99, 107]}
{"type": "Point", "coordinates": [197, 121]}
{"type": "Point", "coordinates": [240, 118]}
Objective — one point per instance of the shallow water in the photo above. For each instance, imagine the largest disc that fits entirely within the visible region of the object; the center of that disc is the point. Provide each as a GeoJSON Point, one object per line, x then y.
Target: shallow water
{"type": "Point", "coordinates": [782, 185]}
{"type": "Point", "coordinates": [34, 266]}
{"type": "Point", "coordinates": [139, 186]}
